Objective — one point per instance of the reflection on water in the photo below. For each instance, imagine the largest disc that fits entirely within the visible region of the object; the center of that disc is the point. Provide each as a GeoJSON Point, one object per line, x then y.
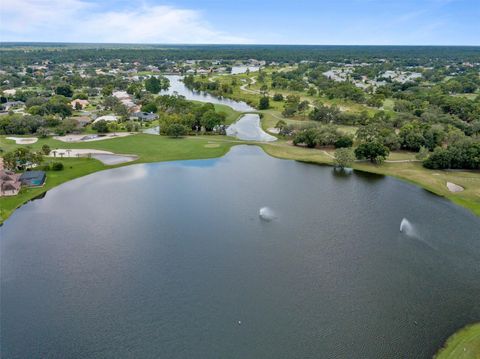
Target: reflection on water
{"type": "Point", "coordinates": [165, 260]}
{"type": "Point", "coordinates": [248, 128]}
{"type": "Point", "coordinates": [342, 172]}
{"type": "Point", "coordinates": [177, 86]}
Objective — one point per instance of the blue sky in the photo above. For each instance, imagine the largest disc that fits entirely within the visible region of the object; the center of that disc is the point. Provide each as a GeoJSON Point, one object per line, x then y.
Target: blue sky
{"type": "Point", "coordinates": [345, 22]}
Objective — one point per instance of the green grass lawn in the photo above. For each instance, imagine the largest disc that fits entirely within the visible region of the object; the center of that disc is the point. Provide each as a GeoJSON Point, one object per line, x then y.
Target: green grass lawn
{"type": "Point", "coordinates": [464, 344]}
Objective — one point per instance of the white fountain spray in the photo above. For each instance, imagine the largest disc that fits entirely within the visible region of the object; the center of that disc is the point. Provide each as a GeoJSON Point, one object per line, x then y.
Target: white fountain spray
{"type": "Point", "coordinates": [406, 227]}
{"type": "Point", "coordinates": [409, 230]}
{"type": "Point", "coordinates": [267, 214]}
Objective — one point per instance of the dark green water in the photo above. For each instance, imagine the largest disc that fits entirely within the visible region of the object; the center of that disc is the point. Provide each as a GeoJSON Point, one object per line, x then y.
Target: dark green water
{"type": "Point", "coordinates": [164, 261]}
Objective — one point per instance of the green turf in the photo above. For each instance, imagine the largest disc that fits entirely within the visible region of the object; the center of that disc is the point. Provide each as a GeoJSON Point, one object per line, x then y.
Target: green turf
{"type": "Point", "coordinates": [464, 344]}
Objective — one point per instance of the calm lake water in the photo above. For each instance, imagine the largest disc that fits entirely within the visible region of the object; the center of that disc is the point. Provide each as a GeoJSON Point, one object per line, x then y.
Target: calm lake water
{"type": "Point", "coordinates": [248, 128]}
{"type": "Point", "coordinates": [171, 260]}
{"type": "Point", "coordinates": [177, 86]}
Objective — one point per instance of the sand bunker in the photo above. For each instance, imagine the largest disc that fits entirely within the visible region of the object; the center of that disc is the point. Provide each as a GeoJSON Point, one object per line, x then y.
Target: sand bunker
{"type": "Point", "coordinates": [452, 187]}
{"type": "Point", "coordinates": [113, 159]}
{"type": "Point", "coordinates": [23, 140]}
{"type": "Point", "coordinates": [89, 138]}
{"type": "Point", "coordinates": [106, 157]}
{"type": "Point", "coordinates": [76, 152]}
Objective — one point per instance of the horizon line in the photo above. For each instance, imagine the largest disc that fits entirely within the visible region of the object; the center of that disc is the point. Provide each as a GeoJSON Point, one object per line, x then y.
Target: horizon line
{"type": "Point", "coordinates": [231, 44]}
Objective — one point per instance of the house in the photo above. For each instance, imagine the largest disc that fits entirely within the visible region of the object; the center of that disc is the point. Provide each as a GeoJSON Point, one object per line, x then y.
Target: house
{"type": "Point", "coordinates": [124, 98]}
{"type": "Point", "coordinates": [33, 178]}
{"type": "Point", "coordinates": [7, 106]}
{"type": "Point", "coordinates": [144, 116]}
{"type": "Point", "coordinates": [9, 183]}
{"type": "Point", "coordinates": [79, 103]}
{"type": "Point", "coordinates": [82, 121]}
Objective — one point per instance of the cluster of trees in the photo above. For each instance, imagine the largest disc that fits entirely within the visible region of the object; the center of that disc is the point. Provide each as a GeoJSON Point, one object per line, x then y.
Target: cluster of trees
{"type": "Point", "coordinates": [327, 135]}
{"type": "Point", "coordinates": [293, 106]}
{"type": "Point", "coordinates": [289, 80]}
{"type": "Point", "coordinates": [464, 154]}
{"type": "Point", "coordinates": [21, 158]}
{"type": "Point", "coordinates": [203, 84]}
{"type": "Point", "coordinates": [155, 84]}
{"type": "Point", "coordinates": [18, 124]}
{"type": "Point", "coordinates": [180, 116]}
{"type": "Point", "coordinates": [55, 105]}
{"type": "Point", "coordinates": [150, 54]}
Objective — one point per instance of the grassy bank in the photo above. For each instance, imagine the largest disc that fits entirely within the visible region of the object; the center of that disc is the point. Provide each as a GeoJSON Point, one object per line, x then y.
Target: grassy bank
{"type": "Point", "coordinates": [464, 344]}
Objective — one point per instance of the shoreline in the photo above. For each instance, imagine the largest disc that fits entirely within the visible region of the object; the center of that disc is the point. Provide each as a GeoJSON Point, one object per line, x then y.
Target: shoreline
{"type": "Point", "coordinates": [462, 344]}
{"type": "Point", "coordinates": [269, 148]}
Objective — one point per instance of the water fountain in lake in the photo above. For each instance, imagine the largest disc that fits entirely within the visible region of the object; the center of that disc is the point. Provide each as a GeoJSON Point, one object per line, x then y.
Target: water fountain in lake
{"type": "Point", "coordinates": [406, 227]}
{"type": "Point", "coordinates": [266, 214]}
{"type": "Point", "coordinates": [409, 230]}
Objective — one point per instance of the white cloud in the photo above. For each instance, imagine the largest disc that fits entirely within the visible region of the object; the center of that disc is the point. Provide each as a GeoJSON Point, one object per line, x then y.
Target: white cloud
{"type": "Point", "coordinates": [81, 21]}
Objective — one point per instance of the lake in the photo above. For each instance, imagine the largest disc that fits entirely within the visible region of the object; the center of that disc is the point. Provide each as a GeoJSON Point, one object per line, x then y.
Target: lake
{"type": "Point", "coordinates": [172, 260]}
{"type": "Point", "coordinates": [177, 86]}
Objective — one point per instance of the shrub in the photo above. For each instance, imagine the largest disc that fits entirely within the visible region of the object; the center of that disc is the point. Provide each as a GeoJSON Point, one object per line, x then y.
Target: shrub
{"type": "Point", "coordinates": [100, 126]}
{"type": "Point", "coordinates": [149, 107]}
{"type": "Point", "coordinates": [343, 142]}
{"type": "Point", "coordinates": [57, 166]}
{"type": "Point", "coordinates": [43, 132]}
{"type": "Point", "coordinates": [176, 130]}
{"type": "Point", "coordinates": [264, 103]}
{"type": "Point", "coordinates": [422, 154]}
{"type": "Point", "coordinates": [46, 149]}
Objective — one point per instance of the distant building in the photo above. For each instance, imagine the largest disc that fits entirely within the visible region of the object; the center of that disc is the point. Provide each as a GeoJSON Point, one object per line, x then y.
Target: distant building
{"type": "Point", "coordinates": [7, 106]}
{"type": "Point", "coordinates": [144, 116]}
{"type": "Point", "coordinates": [82, 121]}
{"type": "Point", "coordinates": [33, 178]}
{"type": "Point", "coordinates": [81, 103]}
